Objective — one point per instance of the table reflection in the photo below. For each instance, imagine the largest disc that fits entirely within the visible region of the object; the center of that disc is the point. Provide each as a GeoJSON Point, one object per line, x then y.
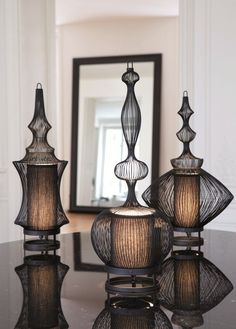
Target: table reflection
{"type": "Point", "coordinates": [41, 277]}
{"type": "Point", "coordinates": [131, 313]}
{"type": "Point", "coordinates": [191, 285]}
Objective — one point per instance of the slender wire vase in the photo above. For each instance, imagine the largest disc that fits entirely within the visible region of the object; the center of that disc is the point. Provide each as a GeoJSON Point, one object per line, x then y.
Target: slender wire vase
{"type": "Point", "coordinates": [131, 240]}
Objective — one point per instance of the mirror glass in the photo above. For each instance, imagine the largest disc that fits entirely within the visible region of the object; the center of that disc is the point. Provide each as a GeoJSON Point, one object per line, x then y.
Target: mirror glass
{"type": "Point", "coordinates": [99, 143]}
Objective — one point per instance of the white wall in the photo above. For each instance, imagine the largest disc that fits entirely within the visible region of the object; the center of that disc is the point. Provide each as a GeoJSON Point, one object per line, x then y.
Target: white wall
{"type": "Point", "coordinates": [121, 37]}
{"type": "Point", "coordinates": [208, 71]}
{"type": "Point", "coordinates": [27, 56]}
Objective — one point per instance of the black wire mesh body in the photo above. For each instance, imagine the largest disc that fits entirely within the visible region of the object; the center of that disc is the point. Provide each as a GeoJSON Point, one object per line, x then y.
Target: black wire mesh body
{"type": "Point", "coordinates": [41, 277]}
{"type": "Point", "coordinates": [188, 195]}
{"type": "Point", "coordinates": [214, 197]}
{"type": "Point", "coordinates": [191, 285]}
{"type": "Point", "coordinates": [130, 313]}
{"type": "Point", "coordinates": [41, 212]}
{"type": "Point", "coordinates": [149, 243]}
{"type": "Point", "coordinates": [131, 238]}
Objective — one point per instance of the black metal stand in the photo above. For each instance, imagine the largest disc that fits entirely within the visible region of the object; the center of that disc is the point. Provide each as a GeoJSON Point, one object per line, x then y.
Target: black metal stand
{"type": "Point", "coordinates": [133, 282]}
{"type": "Point", "coordinates": [43, 243]}
{"type": "Point", "coordinates": [188, 240]}
{"type": "Point", "coordinates": [187, 254]}
{"type": "Point", "coordinates": [123, 305]}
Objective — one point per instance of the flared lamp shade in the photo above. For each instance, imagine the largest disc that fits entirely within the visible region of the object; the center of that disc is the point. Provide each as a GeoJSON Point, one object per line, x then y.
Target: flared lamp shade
{"type": "Point", "coordinates": [191, 285]}
{"type": "Point", "coordinates": [40, 171]}
{"type": "Point", "coordinates": [188, 195]}
{"type": "Point", "coordinates": [131, 239]}
{"type": "Point", "coordinates": [41, 277]}
{"type": "Point", "coordinates": [130, 313]}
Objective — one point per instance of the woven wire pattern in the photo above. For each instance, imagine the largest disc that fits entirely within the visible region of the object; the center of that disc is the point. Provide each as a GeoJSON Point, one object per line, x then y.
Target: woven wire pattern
{"type": "Point", "coordinates": [151, 237]}
{"type": "Point", "coordinates": [132, 236]}
{"type": "Point", "coordinates": [40, 153]}
{"type": "Point", "coordinates": [161, 320]}
{"type": "Point", "coordinates": [28, 275]}
{"type": "Point", "coordinates": [214, 196]}
{"type": "Point", "coordinates": [131, 168]}
{"type": "Point", "coordinates": [101, 236]}
{"type": "Point", "coordinates": [213, 285]}
{"type": "Point", "coordinates": [103, 321]}
{"type": "Point", "coordinates": [130, 319]}
{"type": "Point", "coordinates": [22, 218]}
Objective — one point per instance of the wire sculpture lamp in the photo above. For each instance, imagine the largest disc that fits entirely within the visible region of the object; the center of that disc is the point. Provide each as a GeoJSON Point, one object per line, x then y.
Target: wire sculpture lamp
{"type": "Point", "coordinates": [41, 212]}
{"type": "Point", "coordinates": [131, 240]}
{"type": "Point", "coordinates": [41, 277]}
{"type": "Point", "coordinates": [188, 195]}
{"type": "Point", "coordinates": [131, 313]}
{"type": "Point", "coordinates": [191, 285]}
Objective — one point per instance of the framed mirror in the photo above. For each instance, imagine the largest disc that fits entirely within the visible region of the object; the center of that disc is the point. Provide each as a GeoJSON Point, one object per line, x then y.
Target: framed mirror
{"type": "Point", "coordinates": [97, 143]}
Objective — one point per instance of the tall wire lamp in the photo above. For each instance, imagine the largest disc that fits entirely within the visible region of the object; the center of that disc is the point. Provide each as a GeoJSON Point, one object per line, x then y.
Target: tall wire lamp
{"type": "Point", "coordinates": [131, 240]}
{"type": "Point", "coordinates": [41, 213]}
{"type": "Point", "coordinates": [188, 195]}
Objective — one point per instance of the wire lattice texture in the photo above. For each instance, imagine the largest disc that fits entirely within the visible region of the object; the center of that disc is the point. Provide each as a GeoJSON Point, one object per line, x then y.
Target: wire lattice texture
{"type": "Point", "coordinates": [131, 236]}
{"type": "Point", "coordinates": [205, 199]}
{"type": "Point", "coordinates": [40, 155]}
{"type": "Point", "coordinates": [214, 196]}
{"type": "Point", "coordinates": [131, 169]}
{"type": "Point", "coordinates": [129, 318]}
{"type": "Point", "coordinates": [136, 241]}
{"type": "Point", "coordinates": [213, 286]}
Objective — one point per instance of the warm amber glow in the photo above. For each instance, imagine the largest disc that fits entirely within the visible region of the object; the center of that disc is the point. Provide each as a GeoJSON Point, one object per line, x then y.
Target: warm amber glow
{"type": "Point", "coordinates": [43, 296]}
{"type": "Point", "coordinates": [132, 211]}
{"type": "Point", "coordinates": [42, 197]}
{"type": "Point", "coordinates": [187, 284]}
{"type": "Point", "coordinates": [132, 242]}
{"type": "Point", "coordinates": [132, 321]}
{"type": "Point", "coordinates": [186, 200]}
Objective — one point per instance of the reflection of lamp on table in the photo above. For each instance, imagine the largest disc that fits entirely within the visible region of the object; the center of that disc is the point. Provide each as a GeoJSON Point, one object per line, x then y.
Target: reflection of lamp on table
{"type": "Point", "coordinates": [131, 313]}
{"type": "Point", "coordinates": [41, 212]}
{"type": "Point", "coordinates": [191, 285]}
{"type": "Point", "coordinates": [41, 277]}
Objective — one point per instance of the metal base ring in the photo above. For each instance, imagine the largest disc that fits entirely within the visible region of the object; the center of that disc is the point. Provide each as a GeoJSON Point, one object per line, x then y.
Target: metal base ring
{"type": "Point", "coordinates": [41, 232]}
{"type": "Point", "coordinates": [41, 245]}
{"type": "Point", "coordinates": [124, 286]}
{"type": "Point", "coordinates": [185, 241]}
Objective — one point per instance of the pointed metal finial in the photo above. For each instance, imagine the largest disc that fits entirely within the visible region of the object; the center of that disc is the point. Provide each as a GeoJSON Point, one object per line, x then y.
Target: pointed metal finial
{"type": "Point", "coordinates": [39, 151]}
{"type": "Point", "coordinates": [186, 160]}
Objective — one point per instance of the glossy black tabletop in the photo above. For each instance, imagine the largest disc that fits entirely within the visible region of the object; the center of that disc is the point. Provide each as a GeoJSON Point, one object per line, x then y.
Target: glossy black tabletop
{"type": "Point", "coordinates": [82, 292]}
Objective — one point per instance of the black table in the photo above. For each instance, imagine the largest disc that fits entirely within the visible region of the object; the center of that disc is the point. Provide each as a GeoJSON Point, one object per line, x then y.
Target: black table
{"type": "Point", "coordinates": [82, 293]}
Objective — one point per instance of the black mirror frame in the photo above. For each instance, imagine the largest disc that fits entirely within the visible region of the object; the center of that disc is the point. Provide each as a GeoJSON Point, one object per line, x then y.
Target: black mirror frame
{"type": "Point", "coordinates": [157, 60]}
